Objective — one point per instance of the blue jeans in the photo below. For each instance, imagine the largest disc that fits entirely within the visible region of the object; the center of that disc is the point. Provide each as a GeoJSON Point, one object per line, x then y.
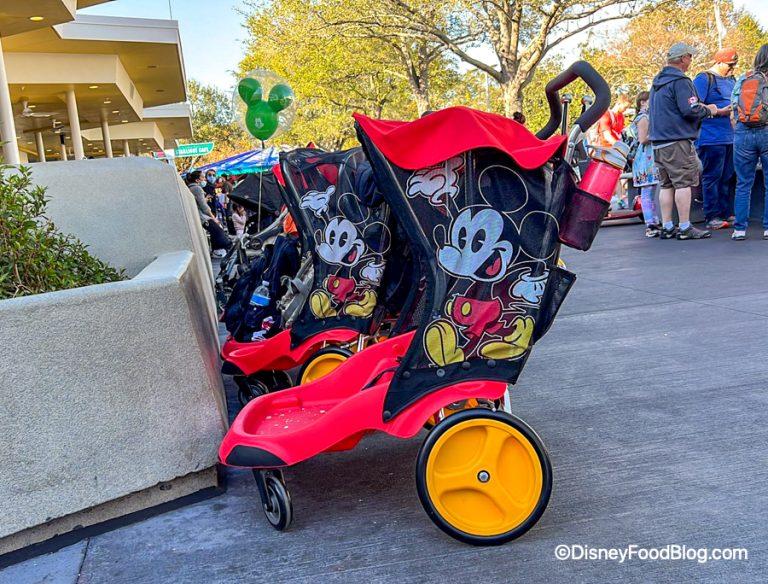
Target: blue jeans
{"type": "Point", "coordinates": [750, 145]}
{"type": "Point", "coordinates": [716, 175]}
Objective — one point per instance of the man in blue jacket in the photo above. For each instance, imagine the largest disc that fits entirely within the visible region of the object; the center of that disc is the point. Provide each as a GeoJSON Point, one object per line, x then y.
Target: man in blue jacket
{"type": "Point", "coordinates": [675, 118]}
{"type": "Point", "coordinates": [715, 143]}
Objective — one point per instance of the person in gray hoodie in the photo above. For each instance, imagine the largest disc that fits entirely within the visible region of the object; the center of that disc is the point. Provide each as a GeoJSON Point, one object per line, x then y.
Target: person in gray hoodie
{"type": "Point", "coordinates": [675, 115]}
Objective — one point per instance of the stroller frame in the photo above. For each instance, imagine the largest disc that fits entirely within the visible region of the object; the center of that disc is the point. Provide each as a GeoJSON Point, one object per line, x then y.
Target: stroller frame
{"type": "Point", "coordinates": [483, 476]}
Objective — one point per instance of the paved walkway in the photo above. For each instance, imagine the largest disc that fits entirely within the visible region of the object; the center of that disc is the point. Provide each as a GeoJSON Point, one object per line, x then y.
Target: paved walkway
{"type": "Point", "coordinates": [651, 393]}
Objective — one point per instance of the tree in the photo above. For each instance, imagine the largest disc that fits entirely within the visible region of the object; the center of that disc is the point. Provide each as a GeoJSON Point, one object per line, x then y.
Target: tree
{"type": "Point", "coordinates": [520, 32]}
{"type": "Point", "coordinates": [331, 74]}
{"type": "Point", "coordinates": [630, 59]}
{"type": "Point", "coordinates": [419, 60]}
{"type": "Point", "coordinates": [213, 121]}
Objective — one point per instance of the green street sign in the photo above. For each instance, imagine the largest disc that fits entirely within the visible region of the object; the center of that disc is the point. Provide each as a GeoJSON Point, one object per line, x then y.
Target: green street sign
{"type": "Point", "coordinates": [187, 150]}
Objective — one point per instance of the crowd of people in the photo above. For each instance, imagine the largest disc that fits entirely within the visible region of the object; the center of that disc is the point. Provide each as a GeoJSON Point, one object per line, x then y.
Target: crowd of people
{"type": "Point", "coordinates": [692, 133]}
{"type": "Point", "coordinates": [220, 216]}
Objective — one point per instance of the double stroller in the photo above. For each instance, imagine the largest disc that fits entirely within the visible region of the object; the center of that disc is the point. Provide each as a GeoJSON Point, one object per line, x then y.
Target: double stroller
{"type": "Point", "coordinates": [482, 205]}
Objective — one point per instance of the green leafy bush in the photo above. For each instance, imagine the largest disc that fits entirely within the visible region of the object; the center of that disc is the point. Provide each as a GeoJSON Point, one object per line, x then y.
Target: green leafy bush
{"type": "Point", "coordinates": [34, 256]}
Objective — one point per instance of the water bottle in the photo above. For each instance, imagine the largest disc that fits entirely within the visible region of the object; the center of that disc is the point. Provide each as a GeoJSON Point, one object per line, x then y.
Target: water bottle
{"type": "Point", "coordinates": [260, 296]}
{"type": "Point", "coordinates": [604, 170]}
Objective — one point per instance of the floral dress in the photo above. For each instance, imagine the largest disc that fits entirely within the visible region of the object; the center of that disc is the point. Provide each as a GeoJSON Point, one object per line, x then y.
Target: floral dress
{"type": "Point", "coordinates": [644, 170]}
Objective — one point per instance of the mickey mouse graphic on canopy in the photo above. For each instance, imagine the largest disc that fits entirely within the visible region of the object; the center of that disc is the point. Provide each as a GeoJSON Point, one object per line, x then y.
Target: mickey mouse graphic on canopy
{"type": "Point", "coordinates": [349, 240]}
{"type": "Point", "coordinates": [486, 228]}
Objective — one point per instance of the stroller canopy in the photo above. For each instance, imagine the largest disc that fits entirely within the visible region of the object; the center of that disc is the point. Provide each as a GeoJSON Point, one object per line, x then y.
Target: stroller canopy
{"type": "Point", "coordinates": [347, 235]}
{"type": "Point", "coordinates": [259, 188]}
{"type": "Point", "coordinates": [482, 216]}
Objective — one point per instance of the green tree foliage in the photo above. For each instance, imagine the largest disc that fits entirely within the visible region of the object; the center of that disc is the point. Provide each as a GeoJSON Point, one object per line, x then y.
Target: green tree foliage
{"type": "Point", "coordinates": [213, 121]}
{"type": "Point", "coordinates": [419, 60]}
{"type": "Point", "coordinates": [630, 58]}
{"type": "Point", "coordinates": [336, 69]}
{"type": "Point", "coordinates": [34, 256]}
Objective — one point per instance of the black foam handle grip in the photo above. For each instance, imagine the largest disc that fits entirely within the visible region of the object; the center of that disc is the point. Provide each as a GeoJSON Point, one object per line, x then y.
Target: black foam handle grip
{"type": "Point", "coordinates": [585, 71]}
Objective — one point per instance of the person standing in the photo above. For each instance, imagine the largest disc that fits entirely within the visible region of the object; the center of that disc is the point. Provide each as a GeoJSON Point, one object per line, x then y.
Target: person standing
{"type": "Point", "coordinates": [645, 175]}
{"type": "Point", "coordinates": [219, 240]}
{"type": "Point", "coordinates": [209, 188]}
{"type": "Point", "coordinates": [611, 124]}
{"type": "Point", "coordinates": [675, 118]}
{"type": "Point", "coordinates": [750, 109]}
{"type": "Point", "coordinates": [226, 188]}
{"type": "Point", "coordinates": [715, 143]}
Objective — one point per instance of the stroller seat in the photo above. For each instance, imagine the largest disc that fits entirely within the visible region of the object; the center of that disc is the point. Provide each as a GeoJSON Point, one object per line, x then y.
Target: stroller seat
{"type": "Point", "coordinates": [277, 352]}
{"type": "Point", "coordinates": [333, 413]}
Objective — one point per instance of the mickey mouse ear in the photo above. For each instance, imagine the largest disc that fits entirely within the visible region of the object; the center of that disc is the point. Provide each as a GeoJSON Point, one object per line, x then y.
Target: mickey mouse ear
{"type": "Point", "coordinates": [350, 207]}
{"type": "Point", "coordinates": [280, 97]}
{"type": "Point", "coordinates": [249, 90]}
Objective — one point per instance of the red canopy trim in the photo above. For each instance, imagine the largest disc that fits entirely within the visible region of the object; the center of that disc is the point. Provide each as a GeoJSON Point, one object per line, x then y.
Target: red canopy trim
{"type": "Point", "coordinates": [445, 133]}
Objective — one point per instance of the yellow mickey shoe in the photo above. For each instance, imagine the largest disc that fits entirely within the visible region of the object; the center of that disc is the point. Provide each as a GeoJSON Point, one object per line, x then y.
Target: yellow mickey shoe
{"type": "Point", "coordinates": [320, 304]}
{"type": "Point", "coordinates": [364, 306]}
{"type": "Point", "coordinates": [515, 343]}
{"type": "Point", "coordinates": [441, 340]}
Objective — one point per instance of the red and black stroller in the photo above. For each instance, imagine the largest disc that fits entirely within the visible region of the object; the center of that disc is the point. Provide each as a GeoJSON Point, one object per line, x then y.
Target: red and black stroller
{"type": "Point", "coordinates": [484, 205]}
{"type": "Point", "coordinates": [344, 230]}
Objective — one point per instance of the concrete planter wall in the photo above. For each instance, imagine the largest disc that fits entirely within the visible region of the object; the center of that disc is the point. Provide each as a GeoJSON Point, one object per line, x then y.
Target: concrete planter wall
{"type": "Point", "coordinates": [109, 390]}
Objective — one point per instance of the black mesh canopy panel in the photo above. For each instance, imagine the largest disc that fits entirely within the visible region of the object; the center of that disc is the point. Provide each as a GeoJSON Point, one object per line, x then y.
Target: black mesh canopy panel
{"type": "Point", "coordinates": [345, 229]}
{"type": "Point", "coordinates": [485, 232]}
{"type": "Point", "coordinates": [259, 189]}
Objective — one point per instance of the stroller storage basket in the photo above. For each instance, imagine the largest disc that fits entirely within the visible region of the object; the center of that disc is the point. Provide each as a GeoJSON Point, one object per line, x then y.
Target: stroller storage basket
{"type": "Point", "coordinates": [584, 212]}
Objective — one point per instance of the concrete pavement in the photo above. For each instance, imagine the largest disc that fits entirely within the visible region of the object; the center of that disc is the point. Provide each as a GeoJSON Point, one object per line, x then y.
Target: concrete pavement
{"type": "Point", "coordinates": [650, 392]}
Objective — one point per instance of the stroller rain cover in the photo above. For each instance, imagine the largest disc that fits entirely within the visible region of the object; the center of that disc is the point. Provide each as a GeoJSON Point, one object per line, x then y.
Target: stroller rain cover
{"type": "Point", "coordinates": [482, 216]}
{"type": "Point", "coordinates": [347, 239]}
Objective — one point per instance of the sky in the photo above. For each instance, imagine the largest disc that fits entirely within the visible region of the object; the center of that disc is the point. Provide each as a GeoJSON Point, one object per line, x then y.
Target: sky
{"type": "Point", "coordinates": [212, 35]}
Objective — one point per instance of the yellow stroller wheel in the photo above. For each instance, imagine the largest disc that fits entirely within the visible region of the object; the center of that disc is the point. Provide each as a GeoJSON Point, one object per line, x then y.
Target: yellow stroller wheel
{"type": "Point", "coordinates": [483, 477]}
{"type": "Point", "coordinates": [322, 363]}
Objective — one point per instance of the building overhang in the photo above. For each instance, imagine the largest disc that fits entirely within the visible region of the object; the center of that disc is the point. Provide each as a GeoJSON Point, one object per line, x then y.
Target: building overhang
{"type": "Point", "coordinates": [20, 16]}
{"type": "Point", "coordinates": [148, 49]}
{"type": "Point", "coordinates": [103, 89]}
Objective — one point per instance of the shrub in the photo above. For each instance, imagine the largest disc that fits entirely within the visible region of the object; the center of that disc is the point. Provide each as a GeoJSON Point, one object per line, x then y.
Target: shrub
{"type": "Point", "coordinates": [34, 256]}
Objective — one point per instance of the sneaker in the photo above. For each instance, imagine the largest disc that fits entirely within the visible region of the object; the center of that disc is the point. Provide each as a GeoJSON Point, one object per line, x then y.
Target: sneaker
{"type": "Point", "coordinates": [738, 235]}
{"type": "Point", "coordinates": [765, 234]}
{"type": "Point", "coordinates": [219, 253]}
{"type": "Point", "coordinates": [693, 233]}
{"type": "Point", "coordinates": [717, 223]}
{"type": "Point", "coordinates": [668, 233]}
{"type": "Point", "coordinates": [652, 230]}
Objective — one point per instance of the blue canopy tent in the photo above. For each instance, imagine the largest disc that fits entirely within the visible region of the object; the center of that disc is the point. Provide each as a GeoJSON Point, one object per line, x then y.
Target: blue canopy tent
{"type": "Point", "coordinates": [245, 163]}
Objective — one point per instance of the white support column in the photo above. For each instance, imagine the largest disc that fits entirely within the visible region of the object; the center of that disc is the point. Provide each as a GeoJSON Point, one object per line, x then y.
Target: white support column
{"type": "Point", "coordinates": [106, 137]}
{"type": "Point", "coordinates": [7, 126]}
{"type": "Point", "coordinates": [74, 125]}
{"type": "Point", "coordinates": [126, 148]}
{"type": "Point", "coordinates": [62, 147]}
{"type": "Point", "coordinates": [40, 146]}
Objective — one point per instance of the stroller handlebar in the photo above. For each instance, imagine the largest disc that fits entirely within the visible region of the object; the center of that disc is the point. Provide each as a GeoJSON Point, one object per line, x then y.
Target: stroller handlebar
{"type": "Point", "coordinates": [585, 71]}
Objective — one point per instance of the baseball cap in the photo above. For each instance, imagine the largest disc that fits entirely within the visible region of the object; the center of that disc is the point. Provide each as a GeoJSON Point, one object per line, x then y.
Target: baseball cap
{"type": "Point", "coordinates": [680, 50]}
{"type": "Point", "coordinates": [727, 55]}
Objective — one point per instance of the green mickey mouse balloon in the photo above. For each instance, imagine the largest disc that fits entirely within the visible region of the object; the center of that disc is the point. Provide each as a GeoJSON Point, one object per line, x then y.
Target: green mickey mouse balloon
{"type": "Point", "coordinates": [249, 89]}
{"type": "Point", "coordinates": [262, 118]}
{"type": "Point", "coordinates": [280, 97]}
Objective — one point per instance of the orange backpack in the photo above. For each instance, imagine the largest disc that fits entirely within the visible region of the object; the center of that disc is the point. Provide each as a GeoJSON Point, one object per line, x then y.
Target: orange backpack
{"type": "Point", "coordinates": [752, 101]}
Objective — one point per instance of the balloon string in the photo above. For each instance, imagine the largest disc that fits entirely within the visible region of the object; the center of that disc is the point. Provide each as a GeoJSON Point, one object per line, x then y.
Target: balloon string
{"type": "Point", "coordinates": [261, 177]}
